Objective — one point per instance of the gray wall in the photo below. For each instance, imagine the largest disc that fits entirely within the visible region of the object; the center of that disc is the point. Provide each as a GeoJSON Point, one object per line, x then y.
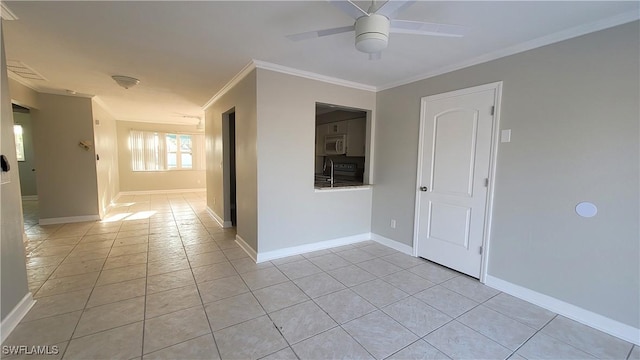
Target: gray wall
{"type": "Point", "coordinates": [27, 176]}
{"type": "Point", "coordinates": [13, 273]}
{"type": "Point", "coordinates": [290, 211]}
{"type": "Point", "coordinates": [573, 111]}
{"type": "Point", "coordinates": [67, 182]}
{"type": "Point", "coordinates": [22, 95]}
{"type": "Point", "coordinates": [153, 180]}
{"type": "Point", "coordinates": [242, 97]}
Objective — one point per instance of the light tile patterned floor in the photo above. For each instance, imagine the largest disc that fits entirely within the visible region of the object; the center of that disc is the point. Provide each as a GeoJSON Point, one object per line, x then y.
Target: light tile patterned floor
{"type": "Point", "coordinates": [161, 280]}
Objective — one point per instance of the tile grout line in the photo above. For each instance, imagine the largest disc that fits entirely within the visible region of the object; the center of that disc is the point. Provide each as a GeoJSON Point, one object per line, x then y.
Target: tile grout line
{"type": "Point", "coordinates": [630, 352]}
{"type": "Point", "coordinates": [144, 306]}
{"type": "Point", "coordinates": [56, 266]}
{"type": "Point", "coordinates": [534, 334]}
{"type": "Point", "coordinates": [338, 324]}
{"type": "Point", "coordinates": [89, 297]}
{"type": "Point", "coordinates": [198, 288]}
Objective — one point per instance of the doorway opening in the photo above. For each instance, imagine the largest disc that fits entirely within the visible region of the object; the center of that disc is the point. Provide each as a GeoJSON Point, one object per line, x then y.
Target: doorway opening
{"type": "Point", "coordinates": [23, 132]}
{"type": "Point", "coordinates": [229, 168]}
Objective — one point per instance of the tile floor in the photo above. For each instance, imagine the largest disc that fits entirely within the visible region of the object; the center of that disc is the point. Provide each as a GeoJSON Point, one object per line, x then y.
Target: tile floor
{"type": "Point", "coordinates": [160, 280]}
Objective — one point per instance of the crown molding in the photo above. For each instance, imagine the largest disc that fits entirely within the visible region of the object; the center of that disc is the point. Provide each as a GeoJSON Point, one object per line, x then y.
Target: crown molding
{"type": "Point", "coordinates": [570, 33]}
{"type": "Point", "coordinates": [6, 13]}
{"type": "Point", "coordinates": [259, 64]}
{"type": "Point", "coordinates": [228, 86]}
{"type": "Point", "coordinates": [313, 76]}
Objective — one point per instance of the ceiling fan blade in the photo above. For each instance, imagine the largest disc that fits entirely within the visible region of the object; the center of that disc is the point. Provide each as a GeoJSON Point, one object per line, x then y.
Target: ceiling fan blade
{"type": "Point", "coordinates": [350, 8]}
{"type": "Point", "coordinates": [320, 33]}
{"type": "Point", "coordinates": [392, 7]}
{"type": "Point", "coordinates": [425, 28]}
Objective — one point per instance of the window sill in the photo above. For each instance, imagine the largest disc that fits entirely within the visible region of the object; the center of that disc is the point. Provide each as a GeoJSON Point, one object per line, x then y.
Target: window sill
{"type": "Point", "coordinates": [163, 171]}
{"type": "Point", "coordinates": [343, 188]}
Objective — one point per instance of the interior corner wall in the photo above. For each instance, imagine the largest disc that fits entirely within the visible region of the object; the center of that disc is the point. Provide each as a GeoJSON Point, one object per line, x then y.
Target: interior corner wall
{"type": "Point", "coordinates": [22, 95]}
{"type": "Point", "coordinates": [290, 211]}
{"type": "Point", "coordinates": [153, 180]}
{"type": "Point", "coordinates": [106, 142]}
{"type": "Point", "coordinates": [13, 273]}
{"type": "Point", "coordinates": [242, 98]}
{"type": "Point", "coordinates": [67, 181]}
{"type": "Point", "coordinates": [573, 110]}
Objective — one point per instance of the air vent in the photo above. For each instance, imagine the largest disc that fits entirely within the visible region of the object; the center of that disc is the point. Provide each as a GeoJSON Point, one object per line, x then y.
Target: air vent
{"type": "Point", "coordinates": [24, 71]}
{"type": "Point", "coordinates": [6, 13]}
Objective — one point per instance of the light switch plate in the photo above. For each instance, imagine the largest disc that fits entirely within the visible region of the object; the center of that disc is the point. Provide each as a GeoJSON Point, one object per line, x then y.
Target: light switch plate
{"type": "Point", "coordinates": [505, 136]}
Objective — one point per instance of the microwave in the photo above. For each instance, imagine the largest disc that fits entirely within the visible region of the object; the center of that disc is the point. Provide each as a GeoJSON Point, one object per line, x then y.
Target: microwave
{"type": "Point", "coordinates": [335, 144]}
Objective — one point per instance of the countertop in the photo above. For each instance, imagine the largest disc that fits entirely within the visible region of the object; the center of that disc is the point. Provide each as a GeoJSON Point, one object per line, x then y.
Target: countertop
{"type": "Point", "coordinates": [322, 182]}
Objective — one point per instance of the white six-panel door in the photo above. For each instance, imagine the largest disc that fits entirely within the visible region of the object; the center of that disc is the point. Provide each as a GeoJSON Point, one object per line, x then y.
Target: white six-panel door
{"type": "Point", "coordinates": [453, 179]}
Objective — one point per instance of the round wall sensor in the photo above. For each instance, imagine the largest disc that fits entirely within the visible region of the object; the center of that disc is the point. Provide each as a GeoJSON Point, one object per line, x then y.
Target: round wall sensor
{"type": "Point", "coordinates": [586, 209]}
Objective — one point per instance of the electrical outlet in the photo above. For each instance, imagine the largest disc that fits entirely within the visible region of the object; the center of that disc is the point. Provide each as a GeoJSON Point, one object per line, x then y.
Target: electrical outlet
{"type": "Point", "coordinates": [393, 223]}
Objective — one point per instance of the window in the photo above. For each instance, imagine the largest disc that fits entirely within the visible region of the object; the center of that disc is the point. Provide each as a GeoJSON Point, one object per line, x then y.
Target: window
{"type": "Point", "coordinates": [156, 151]}
{"type": "Point", "coordinates": [17, 132]}
{"type": "Point", "coordinates": [179, 151]}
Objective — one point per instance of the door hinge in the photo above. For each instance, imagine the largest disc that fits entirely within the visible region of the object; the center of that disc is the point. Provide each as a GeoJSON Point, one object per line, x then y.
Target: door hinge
{"type": "Point", "coordinates": [486, 182]}
{"type": "Point", "coordinates": [493, 110]}
{"type": "Point", "coordinates": [480, 250]}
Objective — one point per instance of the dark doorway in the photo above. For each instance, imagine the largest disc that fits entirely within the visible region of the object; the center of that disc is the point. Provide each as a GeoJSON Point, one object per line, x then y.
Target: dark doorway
{"type": "Point", "coordinates": [232, 168]}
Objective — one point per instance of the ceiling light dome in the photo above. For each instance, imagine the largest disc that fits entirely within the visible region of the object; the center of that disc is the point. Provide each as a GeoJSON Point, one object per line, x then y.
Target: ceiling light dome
{"type": "Point", "coordinates": [125, 81]}
{"type": "Point", "coordinates": [372, 33]}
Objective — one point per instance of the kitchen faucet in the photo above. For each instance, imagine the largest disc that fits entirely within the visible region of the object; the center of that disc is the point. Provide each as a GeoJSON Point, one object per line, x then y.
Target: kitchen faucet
{"type": "Point", "coordinates": [324, 168]}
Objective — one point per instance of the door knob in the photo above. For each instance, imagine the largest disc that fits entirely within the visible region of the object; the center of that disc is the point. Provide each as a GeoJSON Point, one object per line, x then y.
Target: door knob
{"type": "Point", "coordinates": [423, 188]}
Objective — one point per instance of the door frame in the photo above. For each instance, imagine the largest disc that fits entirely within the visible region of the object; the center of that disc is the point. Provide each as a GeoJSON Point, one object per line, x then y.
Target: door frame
{"type": "Point", "coordinates": [226, 169]}
{"type": "Point", "coordinates": [493, 157]}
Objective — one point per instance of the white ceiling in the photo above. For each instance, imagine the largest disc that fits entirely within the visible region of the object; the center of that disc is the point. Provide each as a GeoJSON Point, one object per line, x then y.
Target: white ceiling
{"type": "Point", "coordinates": [185, 52]}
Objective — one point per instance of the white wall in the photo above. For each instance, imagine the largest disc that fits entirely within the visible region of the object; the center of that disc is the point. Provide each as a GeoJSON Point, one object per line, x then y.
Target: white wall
{"type": "Point", "coordinates": [106, 141]}
{"type": "Point", "coordinates": [573, 108]}
{"type": "Point", "coordinates": [153, 180]}
{"type": "Point", "coordinates": [242, 98]}
{"type": "Point", "coordinates": [290, 211]}
{"type": "Point", "coordinates": [67, 181]}
{"type": "Point", "coordinates": [13, 273]}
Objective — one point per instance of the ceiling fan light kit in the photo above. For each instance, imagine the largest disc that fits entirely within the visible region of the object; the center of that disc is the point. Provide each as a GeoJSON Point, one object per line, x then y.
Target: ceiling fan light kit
{"type": "Point", "coordinates": [372, 27]}
{"type": "Point", "coordinates": [372, 33]}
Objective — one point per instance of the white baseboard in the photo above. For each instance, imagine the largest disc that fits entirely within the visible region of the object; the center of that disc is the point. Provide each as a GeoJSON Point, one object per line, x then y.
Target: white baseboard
{"type": "Point", "coordinates": [69, 219]}
{"type": "Point", "coordinates": [13, 318]}
{"type": "Point", "coordinates": [248, 249]}
{"type": "Point", "coordinates": [392, 244]}
{"type": "Point", "coordinates": [218, 219]}
{"type": "Point", "coordinates": [301, 249]}
{"type": "Point", "coordinates": [589, 318]}
{"type": "Point", "coordinates": [29, 197]}
{"type": "Point", "coordinates": [152, 192]}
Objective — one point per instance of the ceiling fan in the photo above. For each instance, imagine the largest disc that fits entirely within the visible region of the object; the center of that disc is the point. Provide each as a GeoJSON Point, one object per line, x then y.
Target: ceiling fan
{"type": "Point", "coordinates": [372, 27]}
